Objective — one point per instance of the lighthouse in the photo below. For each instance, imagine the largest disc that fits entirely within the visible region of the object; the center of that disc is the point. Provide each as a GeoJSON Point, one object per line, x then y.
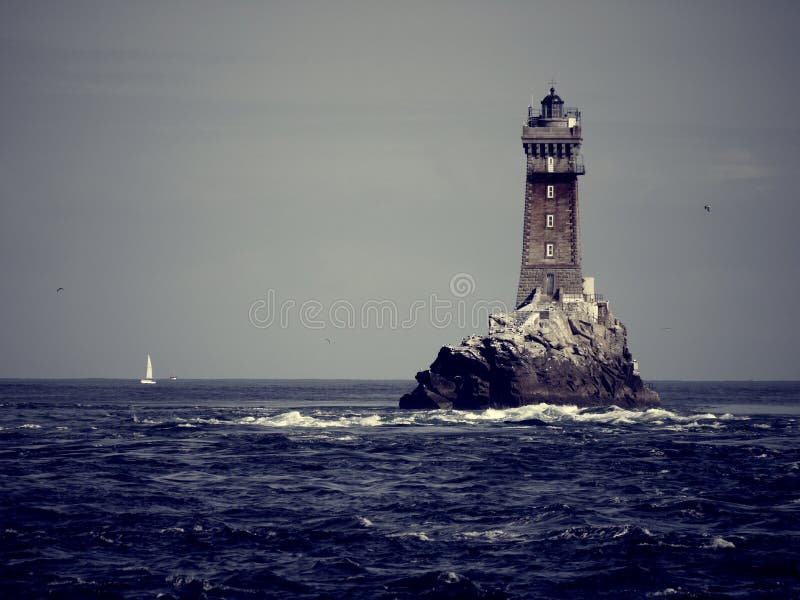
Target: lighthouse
{"type": "Point", "coordinates": [562, 344]}
{"type": "Point", "coordinates": [551, 250]}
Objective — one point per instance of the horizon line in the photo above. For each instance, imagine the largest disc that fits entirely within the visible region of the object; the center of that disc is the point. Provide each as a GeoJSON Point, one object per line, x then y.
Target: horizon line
{"type": "Point", "coordinates": [4, 379]}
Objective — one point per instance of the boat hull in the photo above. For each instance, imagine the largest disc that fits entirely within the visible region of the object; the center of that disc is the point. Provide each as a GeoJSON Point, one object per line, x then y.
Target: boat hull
{"type": "Point", "coordinates": [147, 381]}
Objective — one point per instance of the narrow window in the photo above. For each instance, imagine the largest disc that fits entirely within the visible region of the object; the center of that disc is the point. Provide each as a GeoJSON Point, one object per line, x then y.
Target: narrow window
{"type": "Point", "coordinates": [551, 192]}
{"type": "Point", "coordinates": [550, 221]}
{"type": "Point", "coordinates": [549, 250]}
{"type": "Point", "coordinates": [551, 284]}
{"type": "Point", "coordinates": [550, 164]}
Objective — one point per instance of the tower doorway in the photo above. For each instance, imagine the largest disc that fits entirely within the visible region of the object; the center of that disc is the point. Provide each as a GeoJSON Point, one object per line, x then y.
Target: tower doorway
{"type": "Point", "coordinates": [550, 286]}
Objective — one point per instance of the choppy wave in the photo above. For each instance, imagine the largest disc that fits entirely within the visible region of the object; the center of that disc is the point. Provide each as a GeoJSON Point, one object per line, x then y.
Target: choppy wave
{"type": "Point", "coordinates": [246, 490]}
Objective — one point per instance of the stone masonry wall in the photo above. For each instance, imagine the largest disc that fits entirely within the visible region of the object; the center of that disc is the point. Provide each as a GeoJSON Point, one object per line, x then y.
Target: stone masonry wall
{"type": "Point", "coordinates": [569, 280]}
{"type": "Point", "coordinates": [565, 265]}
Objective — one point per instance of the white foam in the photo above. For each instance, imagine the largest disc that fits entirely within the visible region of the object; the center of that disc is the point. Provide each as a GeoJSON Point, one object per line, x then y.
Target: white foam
{"type": "Point", "coordinates": [720, 543]}
{"type": "Point", "coordinates": [627, 529]}
{"type": "Point", "coordinates": [588, 532]}
{"type": "Point", "coordinates": [553, 414]}
{"type": "Point", "coordinates": [490, 535]}
{"type": "Point", "coordinates": [548, 414]}
{"type": "Point", "coordinates": [30, 426]}
{"type": "Point", "coordinates": [172, 530]}
{"type": "Point", "coordinates": [365, 522]}
{"type": "Point", "coordinates": [666, 592]}
{"type": "Point", "coordinates": [296, 419]}
{"type": "Point", "coordinates": [419, 535]}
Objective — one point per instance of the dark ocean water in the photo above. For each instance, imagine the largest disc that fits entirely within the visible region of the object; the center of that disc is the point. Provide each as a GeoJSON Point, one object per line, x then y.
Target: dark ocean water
{"type": "Point", "coordinates": [265, 489]}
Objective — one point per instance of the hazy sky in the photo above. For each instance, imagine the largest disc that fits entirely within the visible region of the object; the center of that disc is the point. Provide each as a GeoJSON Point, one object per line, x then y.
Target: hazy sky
{"type": "Point", "coordinates": [174, 164]}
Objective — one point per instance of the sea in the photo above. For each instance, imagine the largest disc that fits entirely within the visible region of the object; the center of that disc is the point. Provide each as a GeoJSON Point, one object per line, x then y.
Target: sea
{"type": "Point", "coordinates": [325, 489]}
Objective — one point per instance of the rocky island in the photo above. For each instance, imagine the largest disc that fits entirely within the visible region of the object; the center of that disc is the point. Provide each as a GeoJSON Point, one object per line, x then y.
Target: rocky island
{"type": "Point", "coordinates": [556, 353]}
{"type": "Point", "coordinates": [562, 344]}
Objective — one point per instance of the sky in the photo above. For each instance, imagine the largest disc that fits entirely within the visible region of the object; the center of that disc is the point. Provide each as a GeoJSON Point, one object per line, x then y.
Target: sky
{"type": "Point", "coordinates": [303, 189]}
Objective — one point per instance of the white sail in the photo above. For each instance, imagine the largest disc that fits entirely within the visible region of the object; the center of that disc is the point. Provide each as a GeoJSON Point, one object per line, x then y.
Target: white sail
{"type": "Point", "coordinates": [148, 377]}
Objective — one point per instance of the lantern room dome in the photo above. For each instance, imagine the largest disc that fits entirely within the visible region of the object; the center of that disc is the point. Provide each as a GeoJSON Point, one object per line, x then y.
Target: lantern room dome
{"type": "Point", "coordinates": [552, 105]}
{"type": "Point", "coordinates": [552, 98]}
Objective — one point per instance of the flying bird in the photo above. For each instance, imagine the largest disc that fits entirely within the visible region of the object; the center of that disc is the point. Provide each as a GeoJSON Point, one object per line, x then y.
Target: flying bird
{"type": "Point", "coordinates": [329, 340]}
{"type": "Point", "coordinates": [59, 290]}
{"type": "Point", "coordinates": [707, 207]}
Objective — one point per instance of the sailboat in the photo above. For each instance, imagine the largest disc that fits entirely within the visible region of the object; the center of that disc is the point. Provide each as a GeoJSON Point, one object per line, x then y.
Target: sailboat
{"type": "Point", "coordinates": [148, 376]}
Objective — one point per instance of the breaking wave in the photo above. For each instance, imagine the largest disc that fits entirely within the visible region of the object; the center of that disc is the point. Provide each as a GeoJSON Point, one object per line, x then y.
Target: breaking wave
{"type": "Point", "coordinates": [547, 415]}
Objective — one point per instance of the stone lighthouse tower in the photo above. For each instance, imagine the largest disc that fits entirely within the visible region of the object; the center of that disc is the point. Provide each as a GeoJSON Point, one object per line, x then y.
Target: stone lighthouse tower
{"type": "Point", "coordinates": [551, 251]}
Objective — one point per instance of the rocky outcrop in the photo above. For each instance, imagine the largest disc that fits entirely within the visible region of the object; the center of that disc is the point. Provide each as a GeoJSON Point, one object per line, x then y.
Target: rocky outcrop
{"type": "Point", "coordinates": [570, 354]}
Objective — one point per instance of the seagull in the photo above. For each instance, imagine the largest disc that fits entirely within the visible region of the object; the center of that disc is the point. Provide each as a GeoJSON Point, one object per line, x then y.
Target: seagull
{"type": "Point", "coordinates": [666, 329]}
{"type": "Point", "coordinates": [328, 340]}
{"type": "Point", "coordinates": [59, 290]}
{"type": "Point", "coordinates": [708, 208]}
